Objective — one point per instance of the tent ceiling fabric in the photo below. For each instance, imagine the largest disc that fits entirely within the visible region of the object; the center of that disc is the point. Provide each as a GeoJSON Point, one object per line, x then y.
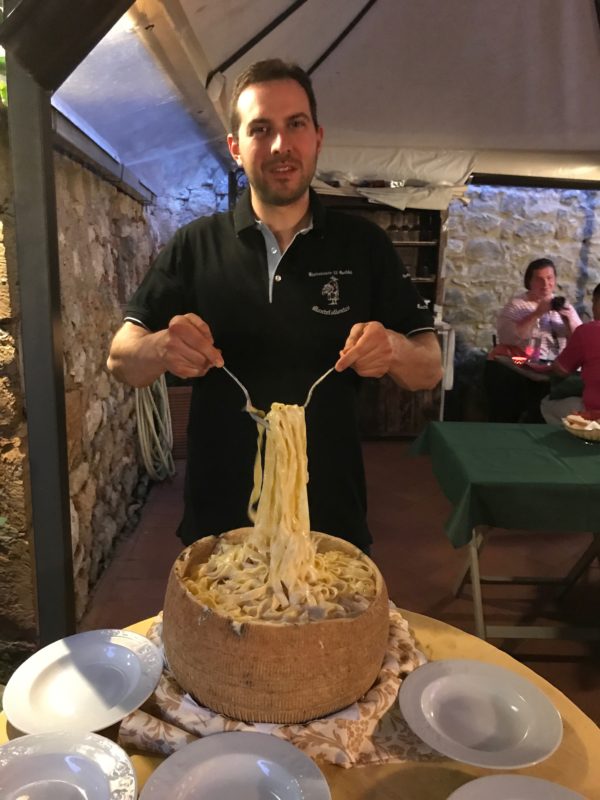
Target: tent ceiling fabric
{"type": "Point", "coordinates": [140, 117]}
{"type": "Point", "coordinates": [513, 86]}
{"type": "Point", "coordinates": [492, 76]}
{"type": "Point", "coordinates": [466, 74]}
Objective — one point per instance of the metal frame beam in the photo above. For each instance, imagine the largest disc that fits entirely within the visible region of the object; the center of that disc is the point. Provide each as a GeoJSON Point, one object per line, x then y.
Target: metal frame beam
{"type": "Point", "coordinates": [31, 139]}
{"type": "Point", "coordinates": [340, 38]}
{"type": "Point", "coordinates": [245, 48]}
{"type": "Point", "coordinates": [52, 37]}
{"type": "Point", "coordinates": [69, 139]}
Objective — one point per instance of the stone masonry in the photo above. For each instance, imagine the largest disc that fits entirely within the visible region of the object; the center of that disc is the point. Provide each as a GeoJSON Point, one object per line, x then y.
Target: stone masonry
{"type": "Point", "coordinates": [106, 243]}
{"type": "Point", "coordinates": [493, 237]}
{"type": "Point", "coordinates": [17, 608]}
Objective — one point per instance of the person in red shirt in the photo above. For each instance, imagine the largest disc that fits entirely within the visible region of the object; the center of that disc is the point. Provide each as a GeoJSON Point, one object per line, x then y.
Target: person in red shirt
{"type": "Point", "coordinates": [582, 351]}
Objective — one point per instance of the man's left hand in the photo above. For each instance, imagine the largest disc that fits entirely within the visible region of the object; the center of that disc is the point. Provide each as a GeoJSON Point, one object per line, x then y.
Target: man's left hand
{"type": "Point", "coordinates": [368, 350]}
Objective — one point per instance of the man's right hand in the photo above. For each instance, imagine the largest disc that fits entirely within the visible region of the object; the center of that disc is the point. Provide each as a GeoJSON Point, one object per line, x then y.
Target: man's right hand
{"type": "Point", "coordinates": [187, 348]}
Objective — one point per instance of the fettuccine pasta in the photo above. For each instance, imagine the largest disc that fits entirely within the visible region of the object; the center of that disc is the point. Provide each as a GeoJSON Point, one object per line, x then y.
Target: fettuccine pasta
{"type": "Point", "coordinates": [276, 573]}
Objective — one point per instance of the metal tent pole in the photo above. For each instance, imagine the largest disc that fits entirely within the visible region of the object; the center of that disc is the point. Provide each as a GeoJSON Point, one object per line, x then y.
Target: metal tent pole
{"type": "Point", "coordinates": [30, 132]}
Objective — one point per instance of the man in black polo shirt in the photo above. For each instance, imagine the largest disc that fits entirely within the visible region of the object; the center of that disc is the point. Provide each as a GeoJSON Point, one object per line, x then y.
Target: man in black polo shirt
{"type": "Point", "coordinates": [278, 290]}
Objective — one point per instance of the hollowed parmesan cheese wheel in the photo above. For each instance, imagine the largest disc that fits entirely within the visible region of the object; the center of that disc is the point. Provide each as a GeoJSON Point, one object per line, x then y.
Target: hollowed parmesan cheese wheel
{"type": "Point", "coordinates": [271, 672]}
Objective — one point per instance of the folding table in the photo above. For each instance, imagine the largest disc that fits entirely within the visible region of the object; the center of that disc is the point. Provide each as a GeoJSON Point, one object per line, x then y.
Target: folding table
{"type": "Point", "coordinates": [516, 476]}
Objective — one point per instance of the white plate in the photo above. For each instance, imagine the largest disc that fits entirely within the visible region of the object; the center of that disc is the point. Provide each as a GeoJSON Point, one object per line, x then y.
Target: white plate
{"type": "Point", "coordinates": [65, 766]}
{"type": "Point", "coordinates": [231, 766]}
{"type": "Point", "coordinates": [480, 714]}
{"type": "Point", "coordinates": [84, 682]}
{"type": "Point", "coordinates": [513, 787]}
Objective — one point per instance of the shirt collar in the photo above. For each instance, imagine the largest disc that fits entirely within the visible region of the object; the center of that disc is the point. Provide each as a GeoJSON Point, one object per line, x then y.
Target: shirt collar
{"type": "Point", "coordinates": [243, 215]}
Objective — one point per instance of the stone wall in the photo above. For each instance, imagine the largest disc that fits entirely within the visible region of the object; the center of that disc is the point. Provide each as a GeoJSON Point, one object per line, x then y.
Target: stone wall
{"type": "Point", "coordinates": [18, 628]}
{"type": "Point", "coordinates": [106, 243]}
{"type": "Point", "coordinates": [493, 237]}
{"type": "Point", "coordinates": [105, 246]}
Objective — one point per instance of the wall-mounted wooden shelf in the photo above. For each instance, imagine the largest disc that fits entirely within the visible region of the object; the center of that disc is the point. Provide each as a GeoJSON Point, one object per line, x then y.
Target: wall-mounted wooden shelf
{"type": "Point", "coordinates": [386, 410]}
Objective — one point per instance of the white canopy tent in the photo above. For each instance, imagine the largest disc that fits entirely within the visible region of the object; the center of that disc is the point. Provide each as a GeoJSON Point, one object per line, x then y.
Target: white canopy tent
{"type": "Point", "coordinates": [406, 88]}
{"type": "Point", "coordinates": [516, 82]}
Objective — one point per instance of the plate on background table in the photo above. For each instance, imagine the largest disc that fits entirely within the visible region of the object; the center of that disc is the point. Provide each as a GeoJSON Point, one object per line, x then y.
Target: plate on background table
{"type": "Point", "coordinates": [480, 714]}
{"type": "Point", "coordinates": [65, 766]}
{"type": "Point", "coordinates": [513, 787]}
{"type": "Point", "coordinates": [84, 682]}
{"type": "Point", "coordinates": [231, 766]}
{"type": "Point", "coordinates": [588, 434]}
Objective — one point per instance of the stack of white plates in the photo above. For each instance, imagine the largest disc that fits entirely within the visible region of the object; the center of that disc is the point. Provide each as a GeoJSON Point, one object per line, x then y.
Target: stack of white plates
{"type": "Point", "coordinates": [60, 695]}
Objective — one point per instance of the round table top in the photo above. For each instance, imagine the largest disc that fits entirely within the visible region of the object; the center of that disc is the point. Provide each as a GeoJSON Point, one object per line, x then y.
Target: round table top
{"type": "Point", "coordinates": [575, 764]}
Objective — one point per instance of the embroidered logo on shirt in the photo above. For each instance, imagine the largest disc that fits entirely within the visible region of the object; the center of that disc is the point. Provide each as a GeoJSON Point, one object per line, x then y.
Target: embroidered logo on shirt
{"type": "Point", "coordinates": [330, 292]}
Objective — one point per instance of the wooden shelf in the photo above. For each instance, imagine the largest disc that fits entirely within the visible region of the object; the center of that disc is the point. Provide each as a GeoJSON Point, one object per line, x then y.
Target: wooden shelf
{"type": "Point", "coordinates": [416, 235]}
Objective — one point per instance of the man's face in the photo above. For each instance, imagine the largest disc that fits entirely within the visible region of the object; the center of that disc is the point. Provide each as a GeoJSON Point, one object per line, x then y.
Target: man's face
{"type": "Point", "coordinates": [543, 282]}
{"type": "Point", "coordinates": [277, 142]}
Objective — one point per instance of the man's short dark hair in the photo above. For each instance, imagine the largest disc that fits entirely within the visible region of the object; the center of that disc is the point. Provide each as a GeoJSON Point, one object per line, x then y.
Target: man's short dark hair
{"type": "Point", "coordinates": [596, 293]}
{"type": "Point", "coordinates": [533, 266]}
{"type": "Point", "coordinates": [272, 69]}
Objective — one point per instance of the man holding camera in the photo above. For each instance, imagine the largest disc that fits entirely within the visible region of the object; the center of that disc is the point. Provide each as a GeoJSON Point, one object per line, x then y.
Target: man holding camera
{"type": "Point", "coordinates": [535, 325]}
{"type": "Point", "coordinates": [537, 322]}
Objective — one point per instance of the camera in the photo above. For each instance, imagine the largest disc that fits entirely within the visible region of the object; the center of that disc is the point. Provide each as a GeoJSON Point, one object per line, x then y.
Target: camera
{"type": "Point", "coordinates": [557, 303]}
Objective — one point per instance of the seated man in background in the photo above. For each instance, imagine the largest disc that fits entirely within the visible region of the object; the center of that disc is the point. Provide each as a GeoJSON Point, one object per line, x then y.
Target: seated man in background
{"type": "Point", "coordinates": [535, 324]}
{"type": "Point", "coordinates": [536, 321]}
{"type": "Point", "coordinates": [582, 351]}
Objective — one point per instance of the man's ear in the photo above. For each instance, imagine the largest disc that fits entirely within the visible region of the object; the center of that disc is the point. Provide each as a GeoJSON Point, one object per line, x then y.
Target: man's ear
{"type": "Point", "coordinates": [234, 148]}
{"type": "Point", "coordinates": [319, 139]}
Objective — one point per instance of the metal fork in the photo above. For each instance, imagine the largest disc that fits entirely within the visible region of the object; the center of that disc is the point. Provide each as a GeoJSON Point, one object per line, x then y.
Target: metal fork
{"type": "Point", "coordinates": [254, 412]}
{"type": "Point", "coordinates": [258, 415]}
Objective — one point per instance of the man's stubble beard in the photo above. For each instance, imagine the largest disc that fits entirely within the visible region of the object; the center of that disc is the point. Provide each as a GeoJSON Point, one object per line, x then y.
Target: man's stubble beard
{"type": "Point", "coordinates": [273, 197]}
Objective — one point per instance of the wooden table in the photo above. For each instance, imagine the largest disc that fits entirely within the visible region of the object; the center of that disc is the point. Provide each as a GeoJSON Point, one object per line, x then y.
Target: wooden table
{"type": "Point", "coordinates": [576, 763]}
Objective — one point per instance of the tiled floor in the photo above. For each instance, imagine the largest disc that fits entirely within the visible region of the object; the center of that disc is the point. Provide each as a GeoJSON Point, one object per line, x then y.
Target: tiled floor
{"type": "Point", "coordinates": [407, 512]}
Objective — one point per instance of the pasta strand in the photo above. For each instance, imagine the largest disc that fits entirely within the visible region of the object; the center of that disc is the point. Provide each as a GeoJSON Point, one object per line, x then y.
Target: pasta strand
{"type": "Point", "coordinates": [276, 574]}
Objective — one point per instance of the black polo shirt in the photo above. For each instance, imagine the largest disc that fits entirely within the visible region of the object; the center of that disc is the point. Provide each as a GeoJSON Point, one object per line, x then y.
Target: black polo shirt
{"type": "Point", "coordinates": [343, 271]}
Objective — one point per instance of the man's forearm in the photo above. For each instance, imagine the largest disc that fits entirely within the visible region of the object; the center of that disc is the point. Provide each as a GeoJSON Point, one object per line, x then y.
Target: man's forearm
{"type": "Point", "coordinates": [416, 361]}
{"type": "Point", "coordinates": [525, 326]}
{"type": "Point", "coordinates": [135, 359]}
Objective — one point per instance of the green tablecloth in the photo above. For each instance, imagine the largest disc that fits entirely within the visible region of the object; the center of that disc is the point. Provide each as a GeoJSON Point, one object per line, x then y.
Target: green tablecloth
{"type": "Point", "coordinates": [535, 477]}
